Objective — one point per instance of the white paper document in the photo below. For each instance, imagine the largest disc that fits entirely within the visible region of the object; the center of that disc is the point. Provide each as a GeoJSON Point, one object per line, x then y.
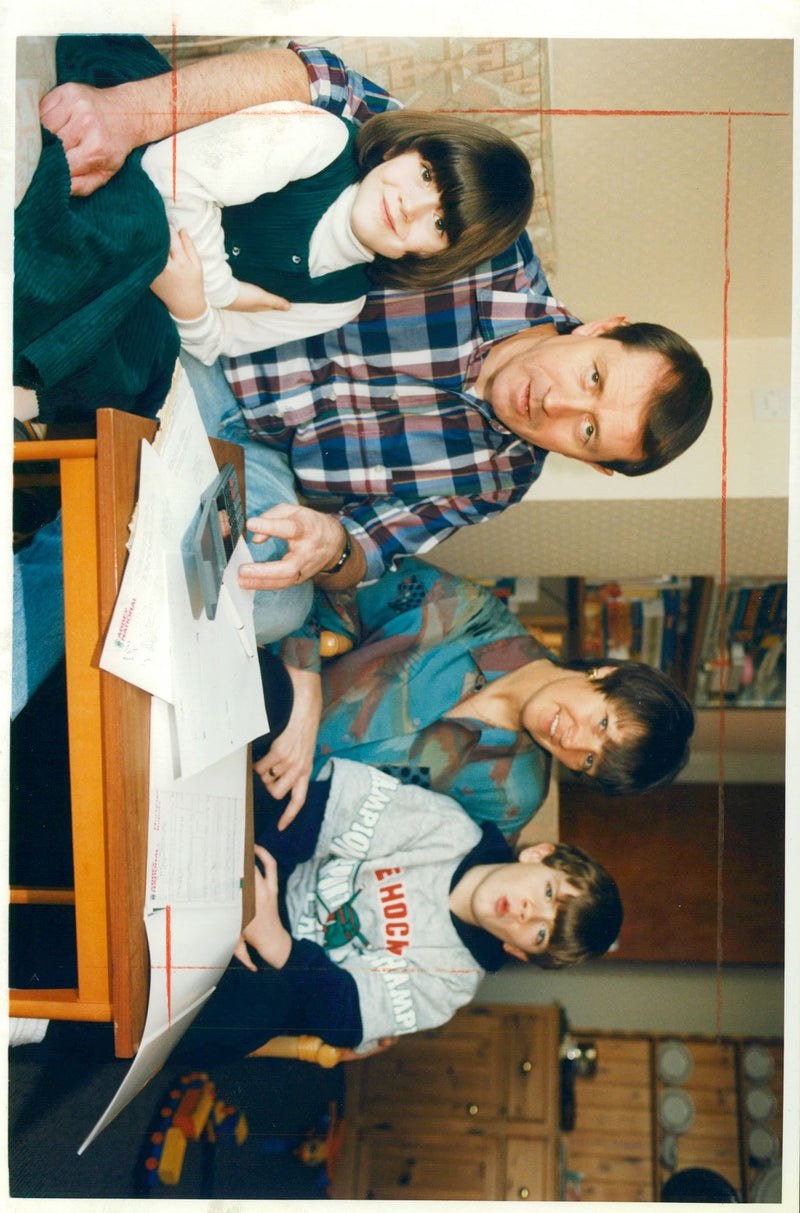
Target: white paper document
{"type": "Point", "coordinates": [158, 639]}
{"type": "Point", "coordinates": [138, 641]}
{"type": "Point", "coordinates": [193, 897]}
{"type": "Point", "coordinates": [217, 695]}
{"type": "Point", "coordinates": [195, 846]}
{"type": "Point", "coordinates": [155, 1048]}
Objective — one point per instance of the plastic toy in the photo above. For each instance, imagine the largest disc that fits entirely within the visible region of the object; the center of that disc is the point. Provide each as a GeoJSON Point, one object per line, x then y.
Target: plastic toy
{"type": "Point", "coordinates": [319, 1146]}
{"type": "Point", "coordinates": [190, 1111]}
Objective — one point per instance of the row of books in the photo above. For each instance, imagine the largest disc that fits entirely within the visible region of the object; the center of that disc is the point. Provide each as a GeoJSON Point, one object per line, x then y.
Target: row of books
{"type": "Point", "coordinates": [742, 657]}
{"type": "Point", "coordinates": [644, 620]}
{"type": "Point", "coordinates": [753, 611]}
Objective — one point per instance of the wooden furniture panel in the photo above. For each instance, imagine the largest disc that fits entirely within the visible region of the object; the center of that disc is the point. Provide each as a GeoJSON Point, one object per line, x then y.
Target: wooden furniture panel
{"type": "Point", "coordinates": [428, 1167]}
{"type": "Point", "coordinates": [91, 999]}
{"type": "Point", "coordinates": [775, 1123]}
{"type": "Point", "coordinates": [611, 1145]}
{"type": "Point", "coordinates": [712, 1140]}
{"type": "Point", "coordinates": [530, 1167]}
{"type": "Point", "coordinates": [125, 735]}
{"type": "Point", "coordinates": [453, 1076]}
{"type": "Point", "coordinates": [109, 736]}
{"type": "Point", "coordinates": [662, 850]}
{"type": "Point", "coordinates": [616, 1146]}
{"type": "Point", "coordinates": [531, 1078]}
{"type": "Point", "coordinates": [602, 1172]}
{"type": "Point", "coordinates": [469, 1111]}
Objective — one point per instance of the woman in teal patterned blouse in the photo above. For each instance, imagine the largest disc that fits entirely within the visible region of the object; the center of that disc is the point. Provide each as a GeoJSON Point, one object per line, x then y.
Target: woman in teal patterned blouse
{"type": "Point", "coordinates": [444, 687]}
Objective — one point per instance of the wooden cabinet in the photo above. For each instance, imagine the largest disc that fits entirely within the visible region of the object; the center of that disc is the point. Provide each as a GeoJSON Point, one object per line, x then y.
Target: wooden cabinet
{"type": "Point", "coordinates": [718, 1086]}
{"type": "Point", "coordinates": [469, 1111]}
{"type": "Point", "coordinates": [422, 1166]}
{"type": "Point", "coordinates": [625, 1145]}
{"type": "Point", "coordinates": [610, 1149]}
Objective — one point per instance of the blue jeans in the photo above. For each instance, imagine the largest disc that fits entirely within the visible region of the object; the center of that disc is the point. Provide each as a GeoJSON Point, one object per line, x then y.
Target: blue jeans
{"type": "Point", "coordinates": [268, 481]}
{"type": "Point", "coordinates": [38, 590]}
{"type": "Point", "coordinates": [38, 613]}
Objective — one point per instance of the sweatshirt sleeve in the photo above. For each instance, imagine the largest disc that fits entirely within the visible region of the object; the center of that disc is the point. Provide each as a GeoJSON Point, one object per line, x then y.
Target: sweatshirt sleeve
{"type": "Point", "coordinates": [325, 994]}
{"type": "Point", "coordinates": [221, 331]}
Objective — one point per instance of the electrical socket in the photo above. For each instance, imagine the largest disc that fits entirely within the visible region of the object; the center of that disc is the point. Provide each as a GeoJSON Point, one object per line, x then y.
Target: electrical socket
{"type": "Point", "coordinates": [771, 404]}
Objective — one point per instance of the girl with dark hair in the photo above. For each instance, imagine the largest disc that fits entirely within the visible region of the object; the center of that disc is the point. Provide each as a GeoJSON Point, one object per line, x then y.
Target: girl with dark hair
{"type": "Point", "coordinates": [283, 215]}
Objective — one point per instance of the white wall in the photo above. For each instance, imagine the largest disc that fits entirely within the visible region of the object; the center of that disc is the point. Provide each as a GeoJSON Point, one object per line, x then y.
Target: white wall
{"type": "Point", "coordinates": [653, 212]}
{"type": "Point", "coordinates": [650, 998]}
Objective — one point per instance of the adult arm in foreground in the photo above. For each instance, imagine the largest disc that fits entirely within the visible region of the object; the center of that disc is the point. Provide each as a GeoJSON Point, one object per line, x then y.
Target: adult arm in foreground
{"type": "Point", "coordinates": [99, 128]}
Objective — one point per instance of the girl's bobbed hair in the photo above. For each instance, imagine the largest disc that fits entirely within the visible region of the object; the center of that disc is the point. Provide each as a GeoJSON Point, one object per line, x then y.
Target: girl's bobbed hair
{"type": "Point", "coordinates": [484, 182]}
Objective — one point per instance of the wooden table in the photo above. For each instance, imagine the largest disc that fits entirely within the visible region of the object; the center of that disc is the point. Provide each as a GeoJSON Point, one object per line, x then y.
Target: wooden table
{"type": "Point", "coordinates": [109, 739]}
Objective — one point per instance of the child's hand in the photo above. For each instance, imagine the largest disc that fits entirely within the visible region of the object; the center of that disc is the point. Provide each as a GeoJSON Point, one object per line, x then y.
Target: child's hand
{"type": "Point", "coordinates": [266, 933]}
{"type": "Point", "coordinates": [180, 283]}
{"type": "Point", "coordinates": [383, 1044]}
{"type": "Point", "coordinates": [252, 298]}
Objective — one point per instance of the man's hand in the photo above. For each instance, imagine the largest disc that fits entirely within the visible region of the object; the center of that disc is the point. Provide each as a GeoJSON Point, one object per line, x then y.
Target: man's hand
{"type": "Point", "coordinates": [265, 932]}
{"type": "Point", "coordinates": [98, 127]}
{"type": "Point", "coordinates": [288, 763]}
{"type": "Point", "coordinates": [315, 541]}
{"type": "Point", "coordinates": [180, 283]}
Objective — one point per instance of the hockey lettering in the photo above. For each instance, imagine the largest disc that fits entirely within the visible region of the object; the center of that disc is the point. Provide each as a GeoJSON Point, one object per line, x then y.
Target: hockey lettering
{"type": "Point", "coordinates": [398, 984]}
{"type": "Point", "coordinates": [392, 897]}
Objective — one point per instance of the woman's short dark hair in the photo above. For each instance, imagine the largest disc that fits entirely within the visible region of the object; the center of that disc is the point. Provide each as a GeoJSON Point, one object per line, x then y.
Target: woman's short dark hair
{"type": "Point", "coordinates": [681, 406]}
{"type": "Point", "coordinates": [664, 720]}
{"type": "Point", "coordinates": [483, 178]}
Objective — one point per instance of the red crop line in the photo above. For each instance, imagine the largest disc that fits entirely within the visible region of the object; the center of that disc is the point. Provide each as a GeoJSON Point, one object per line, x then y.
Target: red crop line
{"type": "Point", "coordinates": [723, 584]}
{"type": "Point", "coordinates": [523, 111]}
{"type": "Point", "coordinates": [174, 112]}
{"type": "Point", "coordinates": [168, 965]}
{"type": "Point", "coordinates": [623, 113]}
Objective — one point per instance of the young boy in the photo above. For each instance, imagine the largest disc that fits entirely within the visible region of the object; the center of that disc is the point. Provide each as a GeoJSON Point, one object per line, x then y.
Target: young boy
{"type": "Point", "coordinates": [380, 908]}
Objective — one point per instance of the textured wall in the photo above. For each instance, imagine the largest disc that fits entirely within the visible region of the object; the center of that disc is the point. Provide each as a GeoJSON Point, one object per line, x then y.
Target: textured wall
{"type": "Point", "coordinates": [641, 197]}
{"type": "Point", "coordinates": [503, 82]}
{"type": "Point", "coordinates": [618, 539]}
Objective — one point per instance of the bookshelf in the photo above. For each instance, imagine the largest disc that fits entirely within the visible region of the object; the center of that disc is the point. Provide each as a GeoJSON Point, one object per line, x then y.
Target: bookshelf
{"type": "Point", "coordinates": [722, 648]}
{"type": "Point", "coordinates": [742, 653]}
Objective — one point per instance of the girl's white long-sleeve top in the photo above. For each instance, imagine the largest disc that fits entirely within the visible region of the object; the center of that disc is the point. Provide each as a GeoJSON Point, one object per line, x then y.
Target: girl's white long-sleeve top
{"type": "Point", "coordinates": [233, 160]}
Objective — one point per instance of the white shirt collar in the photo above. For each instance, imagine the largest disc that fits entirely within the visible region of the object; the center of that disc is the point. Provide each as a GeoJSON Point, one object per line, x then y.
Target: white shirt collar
{"type": "Point", "coordinates": [333, 245]}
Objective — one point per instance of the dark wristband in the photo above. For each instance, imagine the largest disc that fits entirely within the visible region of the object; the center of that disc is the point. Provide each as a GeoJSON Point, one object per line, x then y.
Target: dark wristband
{"type": "Point", "coordinates": [340, 563]}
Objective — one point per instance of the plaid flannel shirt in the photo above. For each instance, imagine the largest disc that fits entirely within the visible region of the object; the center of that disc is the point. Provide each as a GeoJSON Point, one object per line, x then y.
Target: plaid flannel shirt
{"type": "Point", "coordinates": [378, 416]}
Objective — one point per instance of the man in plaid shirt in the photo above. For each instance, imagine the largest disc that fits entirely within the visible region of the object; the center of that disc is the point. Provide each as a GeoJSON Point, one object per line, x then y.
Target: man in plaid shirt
{"type": "Point", "coordinates": [428, 411]}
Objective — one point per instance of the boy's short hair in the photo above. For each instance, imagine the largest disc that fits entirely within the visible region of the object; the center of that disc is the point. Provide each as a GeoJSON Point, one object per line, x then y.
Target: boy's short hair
{"type": "Point", "coordinates": [644, 697]}
{"type": "Point", "coordinates": [484, 181]}
{"type": "Point", "coordinates": [585, 926]}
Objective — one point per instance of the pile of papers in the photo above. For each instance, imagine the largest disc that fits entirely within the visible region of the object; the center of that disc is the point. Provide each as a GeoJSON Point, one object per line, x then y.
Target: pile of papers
{"type": "Point", "coordinates": [207, 705]}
